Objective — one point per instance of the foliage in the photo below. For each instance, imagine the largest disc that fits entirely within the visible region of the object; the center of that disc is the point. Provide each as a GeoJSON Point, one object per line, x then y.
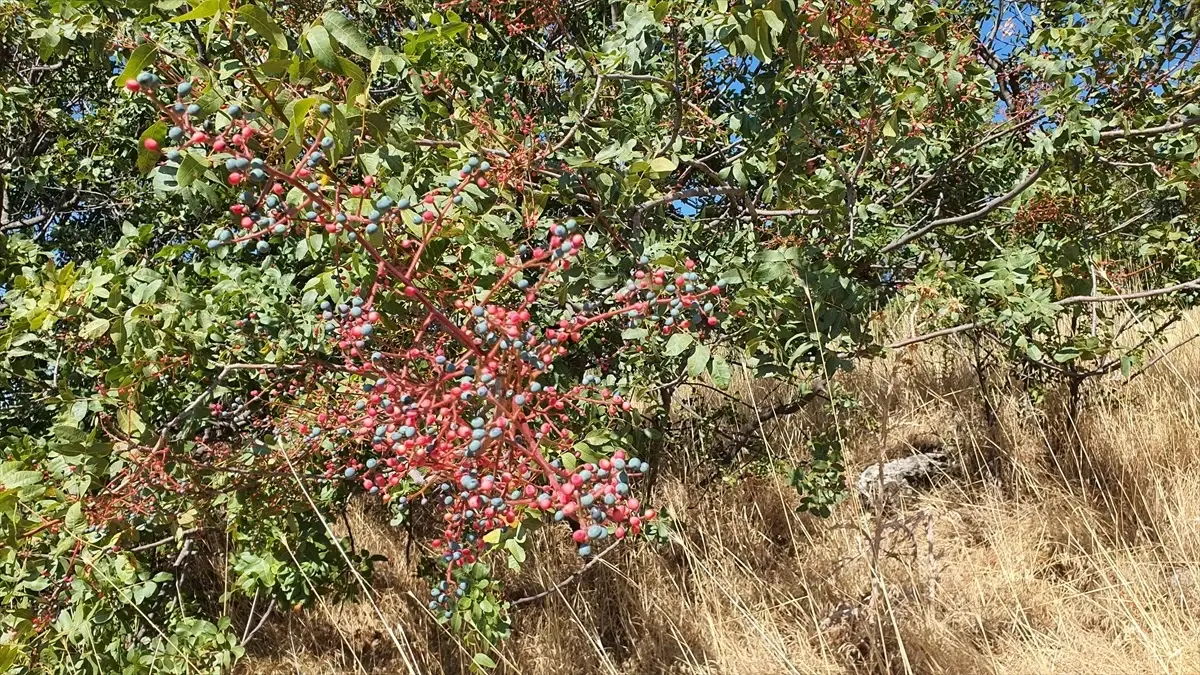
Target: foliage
{"type": "Point", "coordinates": [820, 482]}
{"type": "Point", "coordinates": [248, 249]}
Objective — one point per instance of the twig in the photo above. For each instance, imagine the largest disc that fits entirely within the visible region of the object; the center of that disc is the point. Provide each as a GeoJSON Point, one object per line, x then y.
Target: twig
{"type": "Point", "coordinates": [34, 220]}
{"type": "Point", "coordinates": [262, 619]}
{"type": "Point", "coordinates": [164, 540]}
{"type": "Point", "coordinates": [962, 155]}
{"type": "Point", "coordinates": [932, 336]}
{"type": "Point", "coordinates": [1139, 295]}
{"type": "Point", "coordinates": [1160, 357]}
{"type": "Point", "coordinates": [587, 111]}
{"type": "Point", "coordinates": [1194, 284]}
{"type": "Point", "coordinates": [1149, 131]}
{"type": "Point", "coordinates": [968, 217]}
{"type": "Point", "coordinates": [569, 580]}
{"type": "Point", "coordinates": [782, 410]}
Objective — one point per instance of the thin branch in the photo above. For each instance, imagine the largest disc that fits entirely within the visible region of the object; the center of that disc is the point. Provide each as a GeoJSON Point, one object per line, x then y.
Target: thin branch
{"type": "Point", "coordinates": [686, 194]}
{"type": "Point", "coordinates": [1194, 284]}
{"type": "Point", "coordinates": [261, 620]}
{"type": "Point", "coordinates": [968, 217]}
{"type": "Point", "coordinates": [438, 143]}
{"type": "Point", "coordinates": [962, 155]}
{"type": "Point", "coordinates": [1149, 131]}
{"type": "Point", "coordinates": [587, 111]}
{"type": "Point", "coordinates": [164, 540]}
{"type": "Point", "coordinates": [932, 336]}
{"type": "Point", "coordinates": [7, 225]}
{"type": "Point", "coordinates": [1160, 357]}
{"type": "Point", "coordinates": [1065, 302]}
{"type": "Point", "coordinates": [744, 435]}
{"type": "Point", "coordinates": [568, 581]}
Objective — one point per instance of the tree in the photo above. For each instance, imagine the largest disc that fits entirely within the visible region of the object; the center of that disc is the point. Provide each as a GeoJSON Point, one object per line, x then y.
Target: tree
{"type": "Point", "coordinates": [458, 256]}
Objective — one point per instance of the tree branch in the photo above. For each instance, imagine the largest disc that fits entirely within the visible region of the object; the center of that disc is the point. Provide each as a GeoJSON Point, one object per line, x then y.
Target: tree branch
{"type": "Point", "coordinates": [1149, 131]}
{"type": "Point", "coordinates": [587, 111]}
{"type": "Point", "coordinates": [7, 225]}
{"type": "Point", "coordinates": [569, 580]}
{"type": "Point", "coordinates": [967, 217]}
{"type": "Point", "coordinates": [675, 93]}
{"type": "Point", "coordinates": [932, 336]}
{"type": "Point", "coordinates": [1194, 284]}
{"type": "Point", "coordinates": [744, 435]}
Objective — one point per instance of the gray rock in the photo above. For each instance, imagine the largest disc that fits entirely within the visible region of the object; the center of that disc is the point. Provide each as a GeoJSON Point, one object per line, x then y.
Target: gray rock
{"type": "Point", "coordinates": [901, 474]}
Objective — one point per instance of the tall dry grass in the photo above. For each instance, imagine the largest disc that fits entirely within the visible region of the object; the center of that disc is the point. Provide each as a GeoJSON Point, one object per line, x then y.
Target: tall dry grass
{"type": "Point", "coordinates": [1054, 546]}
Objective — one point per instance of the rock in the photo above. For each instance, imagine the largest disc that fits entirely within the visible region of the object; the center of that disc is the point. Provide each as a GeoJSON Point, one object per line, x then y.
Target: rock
{"type": "Point", "coordinates": [902, 474]}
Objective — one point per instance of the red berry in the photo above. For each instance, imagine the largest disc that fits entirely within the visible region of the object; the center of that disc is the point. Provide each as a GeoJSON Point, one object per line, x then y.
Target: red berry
{"type": "Point", "coordinates": [150, 144]}
{"type": "Point", "coordinates": [132, 85]}
{"type": "Point", "coordinates": [235, 178]}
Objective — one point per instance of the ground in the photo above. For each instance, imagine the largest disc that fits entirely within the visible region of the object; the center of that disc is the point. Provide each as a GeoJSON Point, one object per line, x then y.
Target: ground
{"type": "Point", "coordinates": [1055, 545]}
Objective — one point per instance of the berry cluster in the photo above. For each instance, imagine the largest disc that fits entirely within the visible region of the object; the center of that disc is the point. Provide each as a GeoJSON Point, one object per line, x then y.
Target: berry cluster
{"type": "Point", "coordinates": [456, 401]}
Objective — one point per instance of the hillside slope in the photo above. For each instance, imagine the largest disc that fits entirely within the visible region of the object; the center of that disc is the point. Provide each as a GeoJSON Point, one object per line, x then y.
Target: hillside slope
{"type": "Point", "coordinates": [1052, 547]}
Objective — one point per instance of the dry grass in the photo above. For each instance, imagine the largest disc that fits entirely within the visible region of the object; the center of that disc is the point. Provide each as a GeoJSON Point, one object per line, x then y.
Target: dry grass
{"type": "Point", "coordinates": [1054, 548]}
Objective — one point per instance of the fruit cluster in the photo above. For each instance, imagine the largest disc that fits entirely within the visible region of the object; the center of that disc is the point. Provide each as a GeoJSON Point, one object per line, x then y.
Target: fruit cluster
{"type": "Point", "coordinates": [456, 401]}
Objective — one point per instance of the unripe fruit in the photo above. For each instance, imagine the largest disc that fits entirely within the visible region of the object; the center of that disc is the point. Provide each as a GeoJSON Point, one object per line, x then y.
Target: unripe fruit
{"type": "Point", "coordinates": [150, 144]}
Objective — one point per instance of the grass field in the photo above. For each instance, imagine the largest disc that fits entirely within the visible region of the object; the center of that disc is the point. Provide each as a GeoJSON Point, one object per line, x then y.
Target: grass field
{"type": "Point", "coordinates": [1053, 546]}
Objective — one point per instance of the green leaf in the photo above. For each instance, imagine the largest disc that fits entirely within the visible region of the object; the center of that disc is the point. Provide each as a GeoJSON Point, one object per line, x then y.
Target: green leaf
{"type": "Point", "coordinates": [954, 78]}
{"type": "Point", "coordinates": [637, 18]}
{"type": "Point", "coordinates": [515, 550]}
{"type": "Point", "coordinates": [678, 343]}
{"type": "Point", "coordinates": [493, 536]}
{"type": "Point", "coordinates": [631, 334]}
{"type": "Point", "coordinates": [663, 165]}
{"type": "Point", "coordinates": [350, 68]}
{"type": "Point", "coordinates": [12, 477]}
{"type": "Point", "coordinates": [697, 361]}
{"type": "Point", "coordinates": [79, 410]}
{"type": "Point", "coordinates": [262, 23]}
{"type": "Point", "coordinates": [1066, 354]}
{"type": "Point", "coordinates": [209, 102]}
{"type": "Point", "coordinates": [483, 661]}
{"type": "Point", "coordinates": [204, 10]}
{"type": "Point", "coordinates": [1033, 352]}
{"type": "Point", "coordinates": [136, 63]}
{"type": "Point", "coordinates": [346, 33]}
{"type": "Point", "coordinates": [297, 113]}
{"type": "Point", "coordinates": [75, 520]}
{"type": "Point", "coordinates": [719, 370]}
{"type": "Point", "coordinates": [323, 50]}
{"type": "Point", "coordinates": [147, 160]}
{"type": "Point", "coordinates": [95, 328]}
{"type": "Point", "coordinates": [189, 169]}
{"type": "Point", "coordinates": [129, 422]}
{"type": "Point", "coordinates": [8, 657]}
{"type": "Point", "coordinates": [602, 280]}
